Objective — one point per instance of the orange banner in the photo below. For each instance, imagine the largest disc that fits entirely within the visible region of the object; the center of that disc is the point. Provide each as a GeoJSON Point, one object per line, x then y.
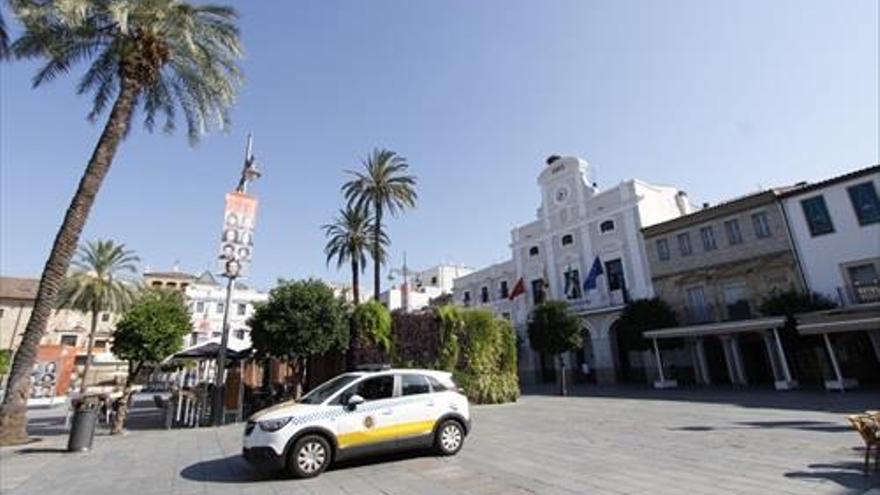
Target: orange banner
{"type": "Point", "coordinates": [237, 242]}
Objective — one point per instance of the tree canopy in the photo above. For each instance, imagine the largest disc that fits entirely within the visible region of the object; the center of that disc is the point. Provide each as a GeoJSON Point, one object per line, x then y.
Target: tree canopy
{"type": "Point", "coordinates": [301, 318]}
{"type": "Point", "coordinates": [642, 315]}
{"type": "Point", "coordinates": [792, 302]}
{"type": "Point", "coordinates": [554, 329]}
{"type": "Point", "coordinates": [153, 328]}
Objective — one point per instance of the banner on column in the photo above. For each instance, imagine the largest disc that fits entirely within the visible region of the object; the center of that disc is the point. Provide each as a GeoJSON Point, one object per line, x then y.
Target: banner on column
{"type": "Point", "coordinates": [237, 242]}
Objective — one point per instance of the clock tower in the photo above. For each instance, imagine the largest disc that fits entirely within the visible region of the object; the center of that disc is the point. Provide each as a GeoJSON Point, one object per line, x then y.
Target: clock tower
{"type": "Point", "coordinates": [565, 182]}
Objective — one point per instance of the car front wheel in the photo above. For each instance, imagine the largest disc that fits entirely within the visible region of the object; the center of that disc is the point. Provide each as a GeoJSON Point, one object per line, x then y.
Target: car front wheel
{"type": "Point", "coordinates": [449, 437]}
{"type": "Point", "coordinates": [309, 457]}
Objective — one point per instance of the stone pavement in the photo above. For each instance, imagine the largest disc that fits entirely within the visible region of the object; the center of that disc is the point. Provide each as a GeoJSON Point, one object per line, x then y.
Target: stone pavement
{"type": "Point", "coordinates": [607, 440]}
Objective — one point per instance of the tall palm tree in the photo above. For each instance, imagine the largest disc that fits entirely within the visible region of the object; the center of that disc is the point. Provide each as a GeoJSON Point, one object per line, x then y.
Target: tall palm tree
{"type": "Point", "coordinates": [98, 283]}
{"type": "Point", "coordinates": [4, 39]}
{"type": "Point", "coordinates": [383, 185]}
{"type": "Point", "coordinates": [162, 55]}
{"type": "Point", "coordinates": [349, 238]}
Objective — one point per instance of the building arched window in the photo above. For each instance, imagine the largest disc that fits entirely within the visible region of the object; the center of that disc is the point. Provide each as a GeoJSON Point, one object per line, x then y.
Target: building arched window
{"type": "Point", "coordinates": [567, 240]}
{"type": "Point", "coordinates": [533, 251]}
{"type": "Point", "coordinates": [484, 294]}
{"type": "Point", "coordinates": [606, 226]}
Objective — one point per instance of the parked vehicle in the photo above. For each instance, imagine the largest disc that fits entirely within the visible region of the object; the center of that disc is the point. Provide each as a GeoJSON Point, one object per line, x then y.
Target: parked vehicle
{"type": "Point", "coordinates": [359, 413]}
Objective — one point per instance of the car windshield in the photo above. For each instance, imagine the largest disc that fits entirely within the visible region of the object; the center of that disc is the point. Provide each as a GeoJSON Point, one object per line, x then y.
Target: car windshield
{"type": "Point", "coordinates": [327, 389]}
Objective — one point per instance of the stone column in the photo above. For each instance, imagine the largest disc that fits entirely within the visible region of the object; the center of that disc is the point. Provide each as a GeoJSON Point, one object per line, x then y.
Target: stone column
{"type": "Point", "coordinates": [737, 359]}
{"type": "Point", "coordinates": [874, 335]}
{"type": "Point", "coordinates": [700, 363]}
{"type": "Point", "coordinates": [789, 382]}
{"type": "Point", "coordinates": [772, 356]}
{"type": "Point", "coordinates": [733, 357]}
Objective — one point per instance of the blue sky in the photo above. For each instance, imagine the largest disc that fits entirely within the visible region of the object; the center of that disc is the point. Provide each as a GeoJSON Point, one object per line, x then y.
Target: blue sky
{"type": "Point", "coordinates": [716, 97]}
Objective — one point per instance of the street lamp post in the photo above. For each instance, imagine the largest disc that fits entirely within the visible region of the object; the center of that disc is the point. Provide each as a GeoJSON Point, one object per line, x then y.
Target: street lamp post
{"type": "Point", "coordinates": [404, 289]}
{"type": "Point", "coordinates": [231, 270]}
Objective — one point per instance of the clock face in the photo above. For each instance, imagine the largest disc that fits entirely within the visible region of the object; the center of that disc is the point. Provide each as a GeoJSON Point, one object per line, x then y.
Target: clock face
{"type": "Point", "coordinates": [561, 194]}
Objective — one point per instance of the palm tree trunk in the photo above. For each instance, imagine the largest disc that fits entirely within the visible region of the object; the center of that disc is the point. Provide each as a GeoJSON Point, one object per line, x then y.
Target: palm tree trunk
{"type": "Point", "coordinates": [377, 250]}
{"type": "Point", "coordinates": [351, 353]}
{"type": "Point", "coordinates": [355, 282]}
{"type": "Point", "coordinates": [89, 349]}
{"type": "Point", "coordinates": [13, 420]}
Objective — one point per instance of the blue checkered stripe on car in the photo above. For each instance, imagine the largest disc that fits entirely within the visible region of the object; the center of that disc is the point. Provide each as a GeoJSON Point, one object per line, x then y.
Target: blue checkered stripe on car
{"type": "Point", "coordinates": [334, 413]}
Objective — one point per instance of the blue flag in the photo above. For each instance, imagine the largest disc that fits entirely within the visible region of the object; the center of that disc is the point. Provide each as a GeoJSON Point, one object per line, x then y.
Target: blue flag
{"type": "Point", "coordinates": [595, 271]}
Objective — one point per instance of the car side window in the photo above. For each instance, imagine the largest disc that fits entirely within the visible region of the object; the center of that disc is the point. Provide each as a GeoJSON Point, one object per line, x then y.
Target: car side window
{"type": "Point", "coordinates": [378, 388]}
{"type": "Point", "coordinates": [414, 384]}
{"type": "Point", "coordinates": [436, 386]}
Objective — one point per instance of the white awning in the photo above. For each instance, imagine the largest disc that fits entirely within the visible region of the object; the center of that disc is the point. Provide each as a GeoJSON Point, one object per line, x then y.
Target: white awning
{"type": "Point", "coordinates": [840, 325]}
{"type": "Point", "coordinates": [722, 328]}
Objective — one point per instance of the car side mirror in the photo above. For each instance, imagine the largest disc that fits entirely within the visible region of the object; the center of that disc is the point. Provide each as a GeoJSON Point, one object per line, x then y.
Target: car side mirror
{"type": "Point", "coordinates": [353, 402]}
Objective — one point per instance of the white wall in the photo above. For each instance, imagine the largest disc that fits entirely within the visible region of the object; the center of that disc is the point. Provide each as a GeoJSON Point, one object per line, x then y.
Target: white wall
{"type": "Point", "coordinates": [821, 257]}
{"type": "Point", "coordinates": [209, 322]}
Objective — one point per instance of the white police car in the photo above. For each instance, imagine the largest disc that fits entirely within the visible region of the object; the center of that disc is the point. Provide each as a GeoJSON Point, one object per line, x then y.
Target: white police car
{"type": "Point", "coordinates": [359, 413]}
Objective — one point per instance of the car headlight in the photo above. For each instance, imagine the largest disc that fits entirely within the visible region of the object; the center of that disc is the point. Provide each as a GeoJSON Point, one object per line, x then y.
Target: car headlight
{"type": "Point", "coordinates": [274, 424]}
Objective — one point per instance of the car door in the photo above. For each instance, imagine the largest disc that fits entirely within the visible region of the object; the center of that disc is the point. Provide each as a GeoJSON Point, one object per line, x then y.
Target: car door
{"type": "Point", "coordinates": [371, 425]}
{"type": "Point", "coordinates": [416, 410]}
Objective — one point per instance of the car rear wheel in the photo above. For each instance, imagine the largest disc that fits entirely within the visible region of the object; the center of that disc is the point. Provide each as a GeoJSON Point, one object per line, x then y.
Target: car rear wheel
{"type": "Point", "coordinates": [449, 437]}
{"type": "Point", "coordinates": [309, 457]}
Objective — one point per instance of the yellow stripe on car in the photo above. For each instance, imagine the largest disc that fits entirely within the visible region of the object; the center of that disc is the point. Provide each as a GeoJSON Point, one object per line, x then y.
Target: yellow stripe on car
{"type": "Point", "coordinates": [385, 433]}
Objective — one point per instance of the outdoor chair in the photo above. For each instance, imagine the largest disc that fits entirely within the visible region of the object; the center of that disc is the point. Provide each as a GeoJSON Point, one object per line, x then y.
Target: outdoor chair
{"type": "Point", "coordinates": [870, 432]}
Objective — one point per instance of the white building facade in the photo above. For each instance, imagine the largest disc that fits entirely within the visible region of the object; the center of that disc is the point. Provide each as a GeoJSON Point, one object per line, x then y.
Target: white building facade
{"type": "Point", "coordinates": [422, 286]}
{"type": "Point", "coordinates": [579, 228]}
{"type": "Point", "coordinates": [835, 225]}
{"type": "Point", "coordinates": [206, 297]}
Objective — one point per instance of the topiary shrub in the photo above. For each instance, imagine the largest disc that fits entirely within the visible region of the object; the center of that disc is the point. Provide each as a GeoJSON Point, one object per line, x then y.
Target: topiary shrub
{"type": "Point", "coordinates": [486, 367]}
{"type": "Point", "coordinates": [372, 322]}
{"type": "Point", "coordinates": [416, 338]}
{"type": "Point", "coordinates": [479, 349]}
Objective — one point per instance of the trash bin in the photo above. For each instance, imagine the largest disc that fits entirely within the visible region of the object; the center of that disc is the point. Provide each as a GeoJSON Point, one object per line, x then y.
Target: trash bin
{"type": "Point", "coordinates": [85, 417]}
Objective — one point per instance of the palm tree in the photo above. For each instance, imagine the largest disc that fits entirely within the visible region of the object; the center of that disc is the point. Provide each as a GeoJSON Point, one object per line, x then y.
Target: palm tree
{"type": "Point", "coordinates": [97, 284]}
{"type": "Point", "coordinates": [162, 55]}
{"type": "Point", "coordinates": [4, 39]}
{"type": "Point", "coordinates": [383, 185]}
{"type": "Point", "coordinates": [348, 240]}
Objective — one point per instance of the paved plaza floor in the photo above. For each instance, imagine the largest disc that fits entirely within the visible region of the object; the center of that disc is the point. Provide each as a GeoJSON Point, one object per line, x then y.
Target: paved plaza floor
{"type": "Point", "coordinates": [604, 440]}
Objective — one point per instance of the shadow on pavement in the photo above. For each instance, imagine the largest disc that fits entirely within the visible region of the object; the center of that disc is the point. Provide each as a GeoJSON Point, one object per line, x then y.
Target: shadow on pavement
{"type": "Point", "coordinates": [47, 450]}
{"type": "Point", "coordinates": [751, 397]}
{"type": "Point", "coordinates": [823, 426]}
{"type": "Point", "coordinates": [234, 469]}
{"type": "Point", "coordinates": [380, 459]}
{"type": "Point", "coordinates": [846, 474]}
{"type": "Point", "coordinates": [826, 426]}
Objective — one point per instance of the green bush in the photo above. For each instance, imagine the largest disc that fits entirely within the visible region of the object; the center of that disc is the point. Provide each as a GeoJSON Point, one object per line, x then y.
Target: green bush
{"type": "Point", "coordinates": [5, 361]}
{"type": "Point", "coordinates": [372, 322]}
{"type": "Point", "coordinates": [477, 348]}
{"type": "Point", "coordinates": [483, 350]}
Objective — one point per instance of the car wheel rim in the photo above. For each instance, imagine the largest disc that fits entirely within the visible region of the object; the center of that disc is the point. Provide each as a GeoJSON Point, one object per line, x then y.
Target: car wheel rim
{"type": "Point", "coordinates": [450, 438]}
{"type": "Point", "coordinates": [311, 457]}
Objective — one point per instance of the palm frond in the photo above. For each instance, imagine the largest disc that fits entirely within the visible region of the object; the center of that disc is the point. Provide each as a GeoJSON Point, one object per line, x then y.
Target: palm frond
{"type": "Point", "coordinates": [181, 56]}
{"type": "Point", "coordinates": [99, 278]}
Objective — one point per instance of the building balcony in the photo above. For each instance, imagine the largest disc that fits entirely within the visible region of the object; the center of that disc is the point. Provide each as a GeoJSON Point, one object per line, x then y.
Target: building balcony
{"type": "Point", "coordinates": [698, 314]}
{"type": "Point", "coordinates": [598, 300]}
{"type": "Point", "coordinates": [860, 294]}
